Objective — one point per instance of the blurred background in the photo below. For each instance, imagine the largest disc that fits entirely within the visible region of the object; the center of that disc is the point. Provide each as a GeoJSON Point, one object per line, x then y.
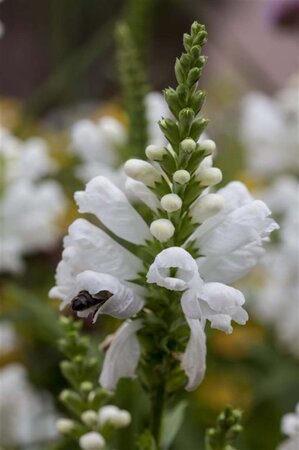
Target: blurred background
{"type": "Point", "coordinates": [60, 65]}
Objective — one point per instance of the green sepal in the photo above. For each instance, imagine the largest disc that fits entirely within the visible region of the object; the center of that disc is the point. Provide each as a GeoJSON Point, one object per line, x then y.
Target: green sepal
{"type": "Point", "coordinates": [186, 117]}
{"type": "Point", "coordinates": [72, 401]}
{"type": "Point", "coordinates": [170, 129]}
{"type": "Point", "coordinates": [98, 397]}
{"type": "Point", "coordinates": [197, 127]}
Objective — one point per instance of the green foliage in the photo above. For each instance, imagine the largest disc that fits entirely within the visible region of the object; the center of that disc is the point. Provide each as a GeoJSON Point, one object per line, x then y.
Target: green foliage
{"type": "Point", "coordinates": [226, 431]}
{"type": "Point", "coordinates": [172, 421]}
{"type": "Point", "coordinates": [146, 441]}
{"type": "Point", "coordinates": [132, 78]}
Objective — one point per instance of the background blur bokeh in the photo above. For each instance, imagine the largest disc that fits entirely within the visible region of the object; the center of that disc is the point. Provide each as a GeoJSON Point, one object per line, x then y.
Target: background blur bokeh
{"type": "Point", "coordinates": [59, 65]}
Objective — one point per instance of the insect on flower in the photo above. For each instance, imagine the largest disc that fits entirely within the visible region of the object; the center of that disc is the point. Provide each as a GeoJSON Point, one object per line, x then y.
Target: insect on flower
{"type": "Point", "coordinates": [84, 300]}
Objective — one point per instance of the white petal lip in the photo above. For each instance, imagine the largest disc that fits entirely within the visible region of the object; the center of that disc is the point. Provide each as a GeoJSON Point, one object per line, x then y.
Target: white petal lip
{"type": "Point", "coordinates": [194, 358]}
{"type": "Point", "coordinates": [93, 249]}
{"type": "Point", "coordinates": [190, 304]}
{"type": "Point", "coordinates": [221, 297]}
{"type": "Point", "coordinates": [174, 257]}
{"type": "Point", "coordinates": [142, 193]}
{"type": "Point", "coordinates": [123, 304]}
{"type": "Point", "coordinates": [113, 209]}
{"type": "Point", "coordinates": [122, 356]}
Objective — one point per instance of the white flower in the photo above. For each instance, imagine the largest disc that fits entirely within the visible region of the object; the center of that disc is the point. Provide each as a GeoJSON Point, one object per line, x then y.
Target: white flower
{"type": "Point", "coordinates": [171, 202]}
{"type": "Point", "coordinates": [290, 427]}
{"type": "Point", "coordinates": [269, 130]}
{"type": "Point", "coordinates": [215, 302]}
{"type": "Point", "coordinates": [64, 426]}
{"type": "Point", "coordinates": [231, 241]}
{"type": "Point", "coordinates": [205, 207]}
{"type": "Point", "coordinates": [138, 190]}
{"type": "Point", "coordinates": [112, 415]}
{"type": "Point", "coordinates": [162, 229]}
{"type": "Point", "coordinates": [92, 441]}
{"type": "Point", "coordinates": [181, 177]}
{"type": "Point", "coordinates": [122, 356]}
{"type": "Point", "coordinates": [29, 208]}
{"type": "Point", "coordinates": [89, 417]}
{"type": "Point", "coordinates": [26, 415]}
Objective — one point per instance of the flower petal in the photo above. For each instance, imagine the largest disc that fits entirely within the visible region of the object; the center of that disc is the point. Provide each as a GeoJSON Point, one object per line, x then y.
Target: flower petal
{"type": "Point", "coordinates": [221, 298]}
{"type": "Point", "coordinates": [122, 304]}
{"type": "Point", "coordinates": [122, 356]}
{"type": "Point", "coordinates": [92, 249]}
{"type": "Point", "coordinates": [194, 358]}
{"type": "Point", "coordinates": [139, 190]}
{"type": "Point", "coordinates": [111, 206]}
{"type": "Point", "coordinates": [174, 258]}
{"type": "Point", "coordinates": [190, 304]}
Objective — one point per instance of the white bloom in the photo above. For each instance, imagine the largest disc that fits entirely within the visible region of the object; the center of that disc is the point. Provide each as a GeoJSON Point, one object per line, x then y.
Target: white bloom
{"type": "Point", "coordinates": [200, 301]}
{"type": "Point", "coordinates": [25, 414]}
{"type": "Point", "coordinates": [208, 145]}
{"type": "Point", "coordinates": [64, 426]}
{"type": "Point", "coordinates": [92, 441]}
{"type": "Point", "coordinates": [155, 153]}
{"type": "Point", "coordinates": [269, 130]}
{"type": "Point", "coordinates": [290, 427]}
{"type": "Point", "coordinates": [188, 145]}
{"type": "Point", "coordinates": [142, 171]}
{"type": "Point", "coordinates": [205, 207]}
{"type": "Point", "coordinates": [122, 356]}
{"type": "Point", "coordinates": [162, 229]}
{"type": "Point", "coordinates": [231, 241]}
{"type": "Point", "coordinates": [29, 208]}
{"type": "Point", "coordinates": [112, 415]}
{"type": "Point", "coordinates": [209, 177]}
{"type": "Point", "coordinates": [138, 190]}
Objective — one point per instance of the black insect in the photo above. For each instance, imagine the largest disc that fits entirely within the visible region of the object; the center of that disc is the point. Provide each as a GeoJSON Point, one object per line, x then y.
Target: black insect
{"type": "Point", "coordinates": [85, 300]}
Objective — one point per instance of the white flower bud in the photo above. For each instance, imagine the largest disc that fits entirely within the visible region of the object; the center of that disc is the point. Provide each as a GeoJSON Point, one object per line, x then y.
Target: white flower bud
{"type": "Point", "coordinates": [208, 146]}
{"type": "Point", "coordinates": [142, 171]}
{"type": "Point", "coordinates": [89, 417]}
{"type": "Point", "coordinates": [154, 152]}
{"type": "Point", "coordinates": [113, 130]}
{"type": "Point", "coordinates": [209, 177]}
{"type": "Point", "coordinates": [65, 426]}
{"type": "Point", "coordinates": [112, 415]}
{"type": "Point", "coordinates": [162, 229]}
{"type": "Point", "coordinates": [188, 145]}
{"type": "Point", "coordinates": [205, 207]}
{"type": "Point", "coordinates": [92, 441]}
{"type": "Point", "coordinates": [181, 176]}
{"type": "Point", "coordinates": [171, 202]}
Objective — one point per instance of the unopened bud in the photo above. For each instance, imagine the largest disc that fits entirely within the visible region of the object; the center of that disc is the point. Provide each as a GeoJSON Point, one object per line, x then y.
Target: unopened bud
{"type": "Point", "coordinates": [142, 171]}
{"type": "Point", "coordinates": [112, 415]}
{"type": "Point", "coordinates": [162, 229]}
{"type": "Point", "coordinates": [171, 202]}
{"type": "Point", "coordinates": [188, 145]}
{"type": "Point", "coordinates": [155, 153]}
{"type": "Point", "coordinates": [181, 176]}
{"type": "Point", "coordinates": [89, 417]}
{"type": "Point", "coordinates": [209, 177]}
{"type": "Point", "coordinates": [65, 426]}
{"type": "Point", "coordinates": [92, 441]}
{"type": "Point", "coordinates": [205, 207]}
{"type": "Point", "coordinates": [208, 146]}
{"type": "Point", "coordinates": [86, 386]}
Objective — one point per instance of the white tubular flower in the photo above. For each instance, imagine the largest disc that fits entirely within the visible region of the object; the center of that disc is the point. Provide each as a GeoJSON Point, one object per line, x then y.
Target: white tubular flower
{"type": "Point", "coordinates": [171, 202]}
{"type": "Point", "coordinates": [65, 426]}
{"type": "Point", "coordinates": [107, 202]}
{"type": "Point", "coordinates": [162, 229]}
{"type": "Point", "coordinates": [188, 145]}
{"type": "Point", "coordinates": [155, 153]}
{"type": "Point", "coordinates": [138, 190]}
{"type": "Point", "coordinates": [112, 415]}
{"type": "Point", "coordinates": [181, 177]}
{"type": "Point", "coordinates": [193, 360]}
{"type": "Point", "coordinates": [92, 441]}
{"type": "Point", "coordinates": [209, 177]}
{"type": "Point", "coordinates": [205, 207]}
{"type": "Point", "coordinates": [231, 241]}
{"type": "Point", "coordinates": [142, 171]}
{"type": "Point", "coordinates": [122, 356]}
{"type": "Point", "coordinates": [201, 301]}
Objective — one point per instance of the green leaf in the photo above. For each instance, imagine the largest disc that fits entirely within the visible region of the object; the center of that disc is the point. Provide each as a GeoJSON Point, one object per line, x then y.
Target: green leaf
{"type": "Point", "coordinates": [171, 424]}
{"type": "Point", "coordinates": [146, 441]}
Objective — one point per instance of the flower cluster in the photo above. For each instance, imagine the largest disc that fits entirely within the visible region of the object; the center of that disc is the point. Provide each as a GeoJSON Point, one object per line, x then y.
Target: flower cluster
{"type": "Point", "coordinates": [29, 206]}
{"type": "Point", "coordinates": [173, 269]}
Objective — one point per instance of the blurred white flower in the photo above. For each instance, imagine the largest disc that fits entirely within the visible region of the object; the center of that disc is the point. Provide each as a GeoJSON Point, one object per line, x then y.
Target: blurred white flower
{"type": "Point", "coordinates": [269, 130]}
{"type": "Point", "coordinates": [290, 427]}
{"type": "Point", "coordinates": [113, 416]}
{"type": "Point", "coordinates": [26, 416]}
{"type": "Point", "coordinates": [99, 144]}
{"type": "Point", "coordinates": [29, 207]}
{"type": "Point", "coordinates": [277, 298]}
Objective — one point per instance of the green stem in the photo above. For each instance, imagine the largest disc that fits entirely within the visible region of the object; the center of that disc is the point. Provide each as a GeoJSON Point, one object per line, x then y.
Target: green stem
{"type": "Point", "coordinates": [157, 406]}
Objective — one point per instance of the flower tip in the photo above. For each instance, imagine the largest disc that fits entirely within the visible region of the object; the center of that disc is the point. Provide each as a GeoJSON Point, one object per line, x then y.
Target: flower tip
{"type": "Point", "coordinates": [154, 152]}
{"type": "Point", "coordinates": [181, 177]}
{"type": "Point", "coordinates": [162, 229]}
{"type": "Point", "coordinates": [171, 202]}
{"type": "Point", "coordinates": [92, 441]}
